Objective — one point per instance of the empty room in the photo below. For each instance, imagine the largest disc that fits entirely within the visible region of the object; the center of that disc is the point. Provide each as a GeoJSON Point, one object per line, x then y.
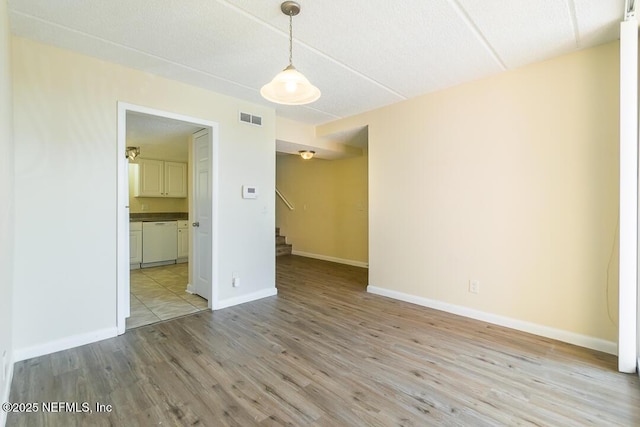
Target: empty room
{"type": "Point", "coordinates": [328, 213]}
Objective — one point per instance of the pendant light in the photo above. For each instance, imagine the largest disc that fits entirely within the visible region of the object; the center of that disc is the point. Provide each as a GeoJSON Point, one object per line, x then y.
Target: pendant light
{"type": "Point", "coordinates": [289, 86]}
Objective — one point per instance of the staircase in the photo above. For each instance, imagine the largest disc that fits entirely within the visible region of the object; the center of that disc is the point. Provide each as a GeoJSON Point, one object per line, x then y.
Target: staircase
{"type": "Point", "coordinates": [282, 247]}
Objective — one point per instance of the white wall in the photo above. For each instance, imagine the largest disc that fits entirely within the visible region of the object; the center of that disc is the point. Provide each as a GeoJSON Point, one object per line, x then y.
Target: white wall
{"type": "Point", "coordinates": [65, 108]}
{"type": "Point", "coordinates": [6, 208]}
{"type": "Point", "coordinates": [511, 180]}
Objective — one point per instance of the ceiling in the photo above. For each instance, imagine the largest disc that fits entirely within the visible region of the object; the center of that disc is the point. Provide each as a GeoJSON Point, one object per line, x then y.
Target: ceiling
{"type": "Point", "coordinates": [362, 54]}
{"type": "Point", "coordinates": [159, 137]}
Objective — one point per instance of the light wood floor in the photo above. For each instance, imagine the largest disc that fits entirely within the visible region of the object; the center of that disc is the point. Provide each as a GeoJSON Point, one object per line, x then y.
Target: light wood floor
{"type": "Point", "coordinates": [326, 353]}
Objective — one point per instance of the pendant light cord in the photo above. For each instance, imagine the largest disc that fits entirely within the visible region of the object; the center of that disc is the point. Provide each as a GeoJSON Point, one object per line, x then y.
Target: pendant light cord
{"type": "Point", "coordinates": [291, 38]}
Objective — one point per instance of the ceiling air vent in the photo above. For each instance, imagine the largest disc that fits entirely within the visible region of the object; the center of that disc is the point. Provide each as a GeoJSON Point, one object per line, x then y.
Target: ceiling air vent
{"type": "Point", "coordinates": [251, 119]}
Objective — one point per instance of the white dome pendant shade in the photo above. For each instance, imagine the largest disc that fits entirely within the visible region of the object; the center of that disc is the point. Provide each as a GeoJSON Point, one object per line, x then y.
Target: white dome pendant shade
{"type": "Point", "coordinates": [290, 86]}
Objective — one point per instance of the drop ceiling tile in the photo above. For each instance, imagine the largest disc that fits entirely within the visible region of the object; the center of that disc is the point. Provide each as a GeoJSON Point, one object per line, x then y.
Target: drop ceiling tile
{"type": "Point", "coordinates": [55, 35]}
{"type": "Point", "coordinates": [207, 36]}
{"type": "Point", "coordinates": [598, 21]}
{"type": "Point", "coordinates": [522, 32]}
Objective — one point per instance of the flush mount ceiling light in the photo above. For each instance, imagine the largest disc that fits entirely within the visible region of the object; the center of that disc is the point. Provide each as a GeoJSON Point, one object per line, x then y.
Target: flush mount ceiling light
{"type": "Point", "coordinates": [132, 152]}
{"type": "Point", "coordinates": [289, 86]}
{"type": "Point", "coordinates": [306, 154]}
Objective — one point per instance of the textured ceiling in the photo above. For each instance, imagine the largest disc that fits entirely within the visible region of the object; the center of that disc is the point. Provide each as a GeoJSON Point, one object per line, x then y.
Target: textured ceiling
{"type": "Point", "coordinates": [362, 54]}
{"type": "Point", "coordinates": [159, 137]}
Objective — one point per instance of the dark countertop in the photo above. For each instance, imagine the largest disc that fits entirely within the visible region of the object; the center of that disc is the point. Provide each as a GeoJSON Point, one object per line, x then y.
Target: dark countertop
{"type": "Point", "coordinates": [158, 216]}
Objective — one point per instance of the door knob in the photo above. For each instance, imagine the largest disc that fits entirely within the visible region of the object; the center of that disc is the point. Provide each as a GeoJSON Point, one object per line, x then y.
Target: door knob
{"type": "Point", "coordinates": [196, 224]}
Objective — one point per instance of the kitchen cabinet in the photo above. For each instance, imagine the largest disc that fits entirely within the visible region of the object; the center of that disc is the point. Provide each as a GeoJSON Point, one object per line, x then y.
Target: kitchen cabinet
{"type": "Point", "coordinates": [160, 178]}
{"type": "Point", "coordinates": [135, 244]}
{"type": "Point", "coordinates": [183, 241]}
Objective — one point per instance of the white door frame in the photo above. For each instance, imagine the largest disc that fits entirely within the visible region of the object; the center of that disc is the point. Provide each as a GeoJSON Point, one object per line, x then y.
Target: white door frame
{"type": "Point", "coordinates": [628, 242]}
{"type": "Point", "coordinates": [122, 218]}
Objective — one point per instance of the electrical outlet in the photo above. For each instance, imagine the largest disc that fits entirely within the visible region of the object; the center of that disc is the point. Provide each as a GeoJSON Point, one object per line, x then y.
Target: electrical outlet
{"type": "Point", "coordinates": [235, 281]}
{"type": "Point", "coordinates": [474, 286]}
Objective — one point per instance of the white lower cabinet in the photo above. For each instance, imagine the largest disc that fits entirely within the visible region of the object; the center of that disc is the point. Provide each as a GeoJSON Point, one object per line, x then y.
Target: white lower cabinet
{"type": "Point", "coordinates": [183, 241]}
{"type": "Point", "coordinates": [135, 244]}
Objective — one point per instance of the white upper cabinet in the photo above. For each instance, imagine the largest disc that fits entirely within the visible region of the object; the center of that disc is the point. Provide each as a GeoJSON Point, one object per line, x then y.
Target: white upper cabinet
{"type": "Point", "coordinates": [149, 178]}
{"type": "Point", "coordinates": [158, 178]}
{"type": "Point", "coordinates": [175, 179]}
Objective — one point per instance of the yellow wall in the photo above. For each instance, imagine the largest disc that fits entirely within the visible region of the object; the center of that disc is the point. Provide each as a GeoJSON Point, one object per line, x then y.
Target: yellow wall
{"type": "Point", "coordinates": [511, 180]}
{"type": "Point", "coordinates": [330, 200]}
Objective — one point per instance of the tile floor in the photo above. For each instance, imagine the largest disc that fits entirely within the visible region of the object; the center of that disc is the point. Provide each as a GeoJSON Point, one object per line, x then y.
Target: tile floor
{"type": "Point", "coordinates": [159, 293]}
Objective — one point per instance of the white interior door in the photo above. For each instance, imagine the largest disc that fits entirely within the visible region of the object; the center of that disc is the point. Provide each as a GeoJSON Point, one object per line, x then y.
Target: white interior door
{"type": "Point", "coordinates": [202, 215]}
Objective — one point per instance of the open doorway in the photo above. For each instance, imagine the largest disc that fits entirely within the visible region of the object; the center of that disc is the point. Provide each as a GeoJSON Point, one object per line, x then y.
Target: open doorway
{"type": "Point", "coordinates": [322, 206]}
{"type": "Point", "coordinates": [159, 202]}
{"type": "Point", "coordinates": [158, 290]}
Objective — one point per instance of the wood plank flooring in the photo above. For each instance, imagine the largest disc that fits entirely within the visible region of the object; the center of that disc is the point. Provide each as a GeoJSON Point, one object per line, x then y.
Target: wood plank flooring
{"type": "Point", "coordinates": [326, 353]}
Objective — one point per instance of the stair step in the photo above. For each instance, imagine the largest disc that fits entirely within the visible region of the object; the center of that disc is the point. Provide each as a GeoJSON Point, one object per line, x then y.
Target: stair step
{"type": "Point", "coordinates": [283, 249]}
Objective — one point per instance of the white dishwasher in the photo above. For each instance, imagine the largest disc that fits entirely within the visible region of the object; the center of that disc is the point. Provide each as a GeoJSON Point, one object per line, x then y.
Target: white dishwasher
{"type": "Point", "coordinates": [159, 242]}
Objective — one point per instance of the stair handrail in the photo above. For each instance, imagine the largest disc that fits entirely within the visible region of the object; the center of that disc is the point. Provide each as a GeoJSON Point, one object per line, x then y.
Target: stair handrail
{"type": "Point", "coordinates": [284, 199]}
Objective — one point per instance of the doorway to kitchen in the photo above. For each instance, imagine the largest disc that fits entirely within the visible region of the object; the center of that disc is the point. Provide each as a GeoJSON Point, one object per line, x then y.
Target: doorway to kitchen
{"type": "Point", "coordinates": [165, 203]}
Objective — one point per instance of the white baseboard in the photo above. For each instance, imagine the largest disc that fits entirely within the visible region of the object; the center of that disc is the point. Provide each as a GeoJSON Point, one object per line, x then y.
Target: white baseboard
{"type": "Point", "coordinates": [63, 344]}
{"type": "Point", "coordinates": [520, 325]}
{"type": "Point", "coordinates": [332, 259]}
{"type": "Point", "coordinates": [191, 289]}
{"type": "Point", "coordinates": [230, 302]}
{"type": "Point", "coordinates": [6, 391]}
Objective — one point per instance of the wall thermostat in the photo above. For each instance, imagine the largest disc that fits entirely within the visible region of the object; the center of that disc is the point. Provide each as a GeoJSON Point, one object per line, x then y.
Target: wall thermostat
{"type": "Point", "coordinates": [249, 192]}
